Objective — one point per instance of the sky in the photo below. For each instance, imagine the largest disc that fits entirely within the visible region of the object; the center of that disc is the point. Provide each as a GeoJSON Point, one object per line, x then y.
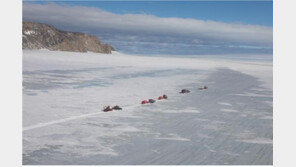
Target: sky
{"type": "Point", "coordinates": [167, 27]}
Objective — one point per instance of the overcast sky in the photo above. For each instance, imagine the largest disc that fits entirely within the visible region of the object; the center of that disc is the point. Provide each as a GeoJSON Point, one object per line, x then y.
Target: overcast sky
{"type": "Point", "coordinates": [152, 32]}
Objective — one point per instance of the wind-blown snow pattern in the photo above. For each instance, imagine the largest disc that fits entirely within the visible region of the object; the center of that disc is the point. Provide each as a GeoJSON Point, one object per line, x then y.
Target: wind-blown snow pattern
{"type": "Point", "coordinates": [64, 93]}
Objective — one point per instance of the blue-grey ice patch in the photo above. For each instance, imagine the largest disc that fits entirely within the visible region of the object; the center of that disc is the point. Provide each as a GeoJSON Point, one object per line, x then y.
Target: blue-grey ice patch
{"type": "Point", "coordinates": [258, 141]}
{"type": "Point", "coordinates": [189, 129]}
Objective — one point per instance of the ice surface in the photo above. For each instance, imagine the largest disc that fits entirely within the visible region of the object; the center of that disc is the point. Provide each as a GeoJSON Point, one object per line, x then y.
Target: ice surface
{"type": "Point", "coordinates": [64, 92]}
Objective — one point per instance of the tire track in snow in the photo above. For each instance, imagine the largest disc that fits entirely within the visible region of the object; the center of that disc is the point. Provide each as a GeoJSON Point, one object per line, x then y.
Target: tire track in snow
{"type": "Point", "coordinates": [40, 125]}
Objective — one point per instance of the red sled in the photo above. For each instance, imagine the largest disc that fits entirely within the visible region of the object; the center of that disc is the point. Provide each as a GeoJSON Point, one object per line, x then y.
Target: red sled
{"type": "Point", "coordinates": [160, 98]}
{"type": "Point", "coordinates": [144, 102]}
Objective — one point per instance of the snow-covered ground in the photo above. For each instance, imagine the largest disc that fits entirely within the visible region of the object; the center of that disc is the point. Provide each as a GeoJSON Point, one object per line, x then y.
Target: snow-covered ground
{"type": "Point", "coordinates": [64, 92]}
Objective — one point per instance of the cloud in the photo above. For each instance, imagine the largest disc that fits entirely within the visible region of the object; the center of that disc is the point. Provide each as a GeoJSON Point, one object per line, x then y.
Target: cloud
{"type": "Point", "coordinates": [147, 28]}
{"type": "Point", "coordinates": [93, 18]}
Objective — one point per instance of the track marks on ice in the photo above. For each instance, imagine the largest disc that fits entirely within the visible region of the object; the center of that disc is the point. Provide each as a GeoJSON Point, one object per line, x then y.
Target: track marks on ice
{"type": "Point", "coordinates": [40, 125]}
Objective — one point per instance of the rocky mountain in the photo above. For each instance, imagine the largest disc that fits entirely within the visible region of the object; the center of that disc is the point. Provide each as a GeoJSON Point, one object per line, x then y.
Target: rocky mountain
{"type": "Point", "coordinates": [39, 36]}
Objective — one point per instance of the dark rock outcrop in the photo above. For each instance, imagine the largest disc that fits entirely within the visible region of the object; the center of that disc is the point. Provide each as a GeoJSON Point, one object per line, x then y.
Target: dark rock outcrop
{"type": "Point", "coordinates": [39, 36]}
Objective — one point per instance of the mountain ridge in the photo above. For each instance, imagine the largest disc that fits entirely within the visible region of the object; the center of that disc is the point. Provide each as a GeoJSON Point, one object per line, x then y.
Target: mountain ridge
{"type": "Point", "coordinates": [44, 36]}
